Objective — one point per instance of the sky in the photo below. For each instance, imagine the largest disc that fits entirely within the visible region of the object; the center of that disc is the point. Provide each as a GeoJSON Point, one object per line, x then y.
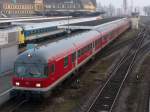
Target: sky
{"type": "Point", "coordinates": [118, 3]}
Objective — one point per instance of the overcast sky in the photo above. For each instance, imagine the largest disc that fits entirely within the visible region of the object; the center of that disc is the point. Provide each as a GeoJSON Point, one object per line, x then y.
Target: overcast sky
{"type": "Point", "coordinates": [118, 3]}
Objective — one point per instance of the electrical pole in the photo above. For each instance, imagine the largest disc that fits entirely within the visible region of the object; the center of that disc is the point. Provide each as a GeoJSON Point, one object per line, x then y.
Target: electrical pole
{"type": "Point", "coordinates": [125, 6]}
{"type": "Point", "coordinates": [132, 5]}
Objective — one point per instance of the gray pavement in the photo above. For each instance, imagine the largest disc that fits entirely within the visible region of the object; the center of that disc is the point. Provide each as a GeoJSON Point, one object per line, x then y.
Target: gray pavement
{"type": "Point", "coordinates": [5, 87]}
{"type": "Point", "coordinates": [5, 83]}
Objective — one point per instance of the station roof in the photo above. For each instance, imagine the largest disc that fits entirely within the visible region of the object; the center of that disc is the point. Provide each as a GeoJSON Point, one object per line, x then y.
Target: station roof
{"type": "Point", "coordinates": [89, 24]}
{"type": "Point", "coordinates": [44, 20]}
{"type": "Point", "coordinates": [26, 20]}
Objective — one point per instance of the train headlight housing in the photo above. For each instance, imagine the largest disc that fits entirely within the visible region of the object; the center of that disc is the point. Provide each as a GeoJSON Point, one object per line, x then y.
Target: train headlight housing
{"type": "Point", "coordinates": [38, 85]}
{"type": "Point", "coordinates": [17, 83]}
{"type": "Point", "coordinates": [29, 55]}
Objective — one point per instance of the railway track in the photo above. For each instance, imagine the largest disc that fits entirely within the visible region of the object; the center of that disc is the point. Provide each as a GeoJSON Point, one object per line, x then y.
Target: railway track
{"type": "Point", "coordinates": [14, 103]}
{"type": "Point", "coordinates": [22, 102]}
{"type": "Point", "coordinates": [107, 96]}
{"type": "Point", "coordinates": [106, 101]}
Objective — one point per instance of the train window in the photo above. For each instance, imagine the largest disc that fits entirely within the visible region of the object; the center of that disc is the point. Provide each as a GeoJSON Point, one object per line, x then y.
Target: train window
{"type": "Point", "coordinates": [46, 29]}
{"type": "Point", "coordinates": [22, 32]}
{"type": "Point", "coordinates": [52, 69]}
{"type": "Point", "coordinates": [66, 61]}
{"type": "Point", "coordinates": [29, 33]}
{"type": "Point", "coordinates": [34, 31]}
{"type": "Point", "coordinates": [43, 30]}
{"type": "Point", "coordinates": [91, 45]}
{"type": "Point", "coordinates": [73, 57]}
{"type": "Point", "coordinates": [82, 51]}
{"type": "Point", "coordinates": [96, 42]}
{"type": "Point", "coordinates": [99, 40]}
{"type": "Point", "coordinates": [79, 53]}
{"type": "Point", "coordinates": [87, 49]}
{"type": "Point", "coordinates": [40, 30]}
{"type": "Point", "coordinates": [30, 70]}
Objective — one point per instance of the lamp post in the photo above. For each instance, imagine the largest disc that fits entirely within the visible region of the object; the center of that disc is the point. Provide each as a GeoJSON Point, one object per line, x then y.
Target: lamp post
{"type": "Point", "coordinates": [68, 5]}
{"type": "Point", "coordinates": [0, 5]}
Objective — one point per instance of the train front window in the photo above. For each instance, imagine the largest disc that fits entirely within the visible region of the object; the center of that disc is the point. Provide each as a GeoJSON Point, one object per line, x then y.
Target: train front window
{"type": "Point", "coordinates": [31, 70]}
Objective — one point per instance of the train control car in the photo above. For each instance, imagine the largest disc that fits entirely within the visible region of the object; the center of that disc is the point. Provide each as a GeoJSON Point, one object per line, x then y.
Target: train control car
{"type": "Point", "coordinates": [41, 69]}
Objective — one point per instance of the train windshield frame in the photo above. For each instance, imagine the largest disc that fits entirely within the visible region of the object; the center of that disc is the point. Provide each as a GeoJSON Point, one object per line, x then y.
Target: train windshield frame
{"type": "Point", "coordinates": [31, 70]}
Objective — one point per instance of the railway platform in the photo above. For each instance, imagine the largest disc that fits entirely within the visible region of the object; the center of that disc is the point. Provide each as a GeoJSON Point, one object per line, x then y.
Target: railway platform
{"type": "Point", "coordinates": [5, 87]}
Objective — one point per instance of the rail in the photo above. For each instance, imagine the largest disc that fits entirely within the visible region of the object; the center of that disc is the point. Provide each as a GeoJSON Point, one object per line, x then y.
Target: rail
{"type": "Point", "coordinates": [107, 96]}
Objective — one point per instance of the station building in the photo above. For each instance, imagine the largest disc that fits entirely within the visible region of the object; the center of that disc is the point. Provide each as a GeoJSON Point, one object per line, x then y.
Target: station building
{"type": "Point", "coordinates": [30, 7]}
{"type": "Point", "coordinates": [17, 7]}
{"type": "Point", "coordinates": [71, 5]}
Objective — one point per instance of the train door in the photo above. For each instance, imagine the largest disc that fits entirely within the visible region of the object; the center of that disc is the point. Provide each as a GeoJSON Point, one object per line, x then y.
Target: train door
{"type": "Point", "coordinates": [66, 64]}
{"type": "Point", "coordinates": [73, 59]}
{"type": "Point", "coordinates": [52, 71]}
{"type": "Point", "coordinates": [104, 40]}
{"type": "Point", "coordinates": [93, 47]}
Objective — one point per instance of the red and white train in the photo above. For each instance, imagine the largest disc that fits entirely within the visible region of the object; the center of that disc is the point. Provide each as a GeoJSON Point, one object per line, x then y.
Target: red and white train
{"type": "Point", "coordinates": [41, 69]}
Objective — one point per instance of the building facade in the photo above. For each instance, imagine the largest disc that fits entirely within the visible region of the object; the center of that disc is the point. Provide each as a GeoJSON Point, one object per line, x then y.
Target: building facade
{"type": "Point", "coordinates": [17, 7]}
{"type": "Point", "coordinates": [39, 5]}
{"type": "Point", "coordinates": [89, 5]}
{"type": "Point", "coordinates": [30, 7]}
{"type": "Point", "coordinates": [71, 5]}
{"type": "Point", "coordinates": [63, 5]}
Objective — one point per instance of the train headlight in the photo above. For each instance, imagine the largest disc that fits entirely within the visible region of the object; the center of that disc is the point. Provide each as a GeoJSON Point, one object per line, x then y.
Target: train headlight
{"type": "Point", "coordinates": [29, 55]}
{"type": "Point", "coordinates": [17, 83]}
{"type": "Point", "coordinates": [38, 85]}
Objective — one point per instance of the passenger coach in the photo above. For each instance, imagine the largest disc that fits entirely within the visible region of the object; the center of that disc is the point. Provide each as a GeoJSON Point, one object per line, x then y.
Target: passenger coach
{"type": "Point", "coordinates": [41, 69]}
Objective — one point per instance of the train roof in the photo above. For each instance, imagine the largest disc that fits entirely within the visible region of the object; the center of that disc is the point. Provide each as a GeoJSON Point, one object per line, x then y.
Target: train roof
{"type": "Point", "coordinates": [54, 50]}
{"type": "Point", "coordinates": [65, 46]}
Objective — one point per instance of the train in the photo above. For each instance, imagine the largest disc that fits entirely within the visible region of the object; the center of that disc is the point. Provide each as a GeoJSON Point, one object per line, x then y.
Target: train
{"type": "Point", "coordinates": [41, 69]}
{"type": "Point", "coordinates": [35, 31]}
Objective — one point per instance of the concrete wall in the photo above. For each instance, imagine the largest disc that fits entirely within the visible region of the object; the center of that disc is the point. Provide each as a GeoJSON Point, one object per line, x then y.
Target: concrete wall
{"type": "Point", "coordinates": [8, 49]}
{"type": "Point", "coordinates": [8, 55]}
